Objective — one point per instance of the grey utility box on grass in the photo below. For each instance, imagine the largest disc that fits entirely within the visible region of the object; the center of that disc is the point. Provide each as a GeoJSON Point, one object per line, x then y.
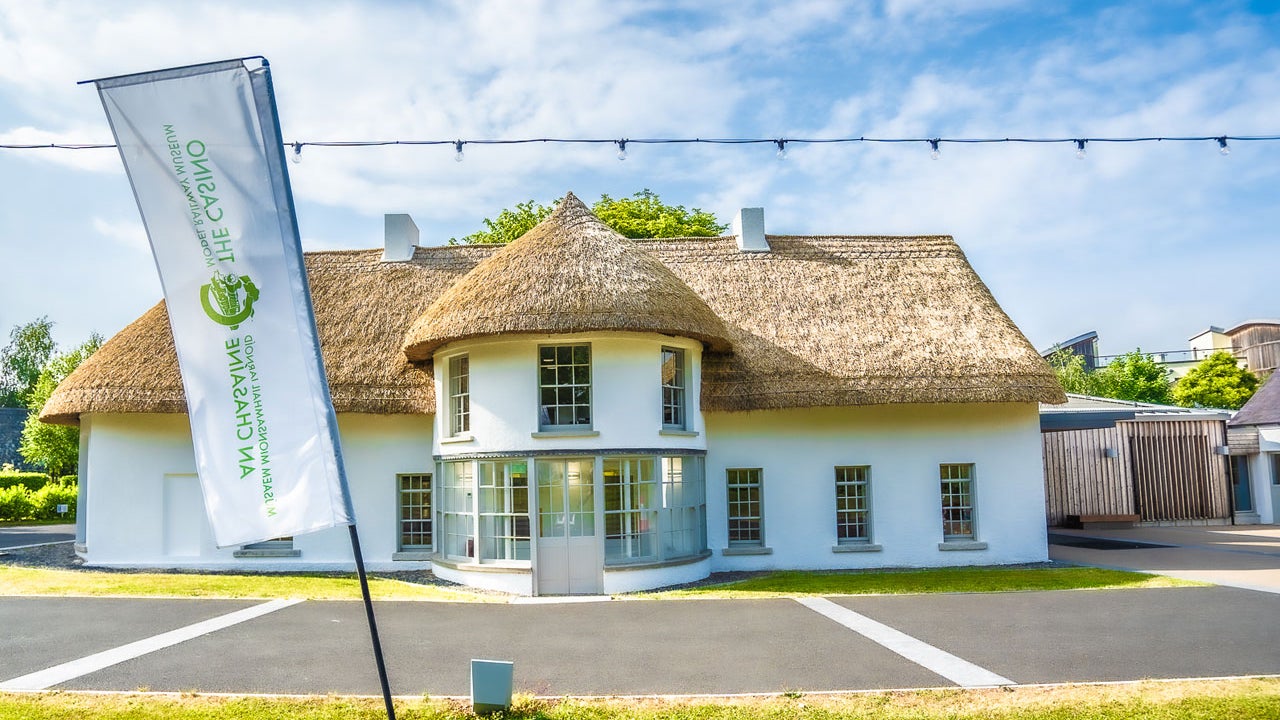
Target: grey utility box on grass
{"type": "Point", "coordinates": [491, 685]}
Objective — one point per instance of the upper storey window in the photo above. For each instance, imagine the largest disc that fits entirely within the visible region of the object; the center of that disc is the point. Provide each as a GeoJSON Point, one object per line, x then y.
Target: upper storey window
{"type": "Point", "coordinates": [564, 386]}
{"type": "Point", "coordinates": [459, 395]}
{"type": "Point", "coordinates": [673, 389]}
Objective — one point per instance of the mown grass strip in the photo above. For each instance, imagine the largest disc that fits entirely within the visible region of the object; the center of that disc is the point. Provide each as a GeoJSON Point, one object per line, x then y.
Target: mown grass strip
{"type": "Point", "coordinates": [1246, 699]}
{"type": "Point", "coordinates": [42, 581]}
{"type": "Point", "coordinates": [943, 580]}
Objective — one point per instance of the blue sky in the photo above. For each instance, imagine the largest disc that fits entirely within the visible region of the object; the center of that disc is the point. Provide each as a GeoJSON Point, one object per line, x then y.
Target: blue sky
{"type": "Point", "coordinates": [1146, 243]}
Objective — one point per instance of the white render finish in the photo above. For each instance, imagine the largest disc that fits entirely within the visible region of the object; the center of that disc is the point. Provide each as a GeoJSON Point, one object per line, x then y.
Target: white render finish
{"type": "Point", "coordinates": [748, 225]}
{"type": "Point", "coordinates": [798, 451]}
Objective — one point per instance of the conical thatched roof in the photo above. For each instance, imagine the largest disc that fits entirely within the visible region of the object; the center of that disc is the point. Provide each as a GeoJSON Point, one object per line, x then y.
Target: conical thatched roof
{"type": "Point", "coordinates": [813, 322]}
{"type": "Point", "coordinates": [571, 273]}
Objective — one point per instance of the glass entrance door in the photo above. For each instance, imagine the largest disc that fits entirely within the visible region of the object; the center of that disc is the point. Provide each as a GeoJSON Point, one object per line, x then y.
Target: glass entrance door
{"type": "Point", "coordinates": [569, 560]}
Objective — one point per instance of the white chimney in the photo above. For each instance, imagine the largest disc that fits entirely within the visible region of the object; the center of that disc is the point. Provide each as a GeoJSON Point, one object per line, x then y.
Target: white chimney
{"type": "Point", "coordinates": [748, 225]}
{"type": "Point", "coordinates": [401, 238]}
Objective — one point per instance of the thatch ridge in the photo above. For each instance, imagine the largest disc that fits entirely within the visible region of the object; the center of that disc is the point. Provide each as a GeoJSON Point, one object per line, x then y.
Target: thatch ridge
{"type": "Point", "coordinates": [816, 321]}
{"type": "Point", "coordinates": [571, 273]}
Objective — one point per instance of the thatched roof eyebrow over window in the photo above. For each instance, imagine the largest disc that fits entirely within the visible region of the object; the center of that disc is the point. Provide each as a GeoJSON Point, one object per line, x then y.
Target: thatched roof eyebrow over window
{"type": "Point", "coordinates": [571, 273]}
{"type": "Point", "coordinates": [813, 322]}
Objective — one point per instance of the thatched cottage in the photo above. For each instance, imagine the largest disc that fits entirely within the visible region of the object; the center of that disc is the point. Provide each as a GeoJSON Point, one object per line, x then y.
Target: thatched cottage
{"type": "Point", "coordinates": [580, 413]}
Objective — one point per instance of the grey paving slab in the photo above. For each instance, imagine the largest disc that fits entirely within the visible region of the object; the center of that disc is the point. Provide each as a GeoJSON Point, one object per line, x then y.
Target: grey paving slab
{"type": "Point", "coordinates": [1095, 635]}
{"type": "Point", "coordinates": [38, 632]}
{"type": "Point", "coordinates": [629, 647]}
{"type": "Point", "coordinates": [18, 536]}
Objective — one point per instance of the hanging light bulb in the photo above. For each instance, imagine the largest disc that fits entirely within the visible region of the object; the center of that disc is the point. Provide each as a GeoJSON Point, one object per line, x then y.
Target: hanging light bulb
{"type": "Point", "coordinates": [1080, 153]}
{"type": "Point", "coordinates": [934, 152]}
{"type": "Point", "coordinates": [297, 153]}
{"type": "Point", "coordinates": [1223, 147]}
{"type": "Point", "coordinates": [622, 149]}
{"type": "Point", "coordinates": [782, 149]}
{"type": "Point", "coordinates": [457, 151]}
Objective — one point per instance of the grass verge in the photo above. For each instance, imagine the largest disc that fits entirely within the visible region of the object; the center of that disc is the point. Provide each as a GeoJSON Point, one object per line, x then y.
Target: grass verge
{"type": "Point", "coordinates": [42, 581]}
{"type": "Point", "coordinates": [940, 580]}
{"type": "Point", "coordinates": [1242, 699]}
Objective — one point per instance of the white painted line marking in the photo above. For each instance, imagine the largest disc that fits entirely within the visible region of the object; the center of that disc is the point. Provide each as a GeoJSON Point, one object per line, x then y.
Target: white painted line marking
{"type": "Point", "coordinates": [57, 674]}
{"type": "Point", "coordinates": [957, 670]}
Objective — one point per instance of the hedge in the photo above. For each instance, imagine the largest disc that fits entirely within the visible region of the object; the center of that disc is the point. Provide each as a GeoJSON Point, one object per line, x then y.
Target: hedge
{"type": "Point", "coordinates": [19, 503]}
{"type": "Point", "coordinates": [33, 481]}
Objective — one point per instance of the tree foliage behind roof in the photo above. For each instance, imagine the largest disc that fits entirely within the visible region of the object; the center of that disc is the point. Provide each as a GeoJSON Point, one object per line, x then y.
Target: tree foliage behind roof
{"type": "Point", "coordinates": [56, 448]}
{"type": "Point", "coordinates": [1217, 382]}
{"type": "Point", "coordinates": [30, 347]}
{"type": "Point", "coordinates": [1133, 376]}
{"type": "Point", "coordinates": [643, 215]}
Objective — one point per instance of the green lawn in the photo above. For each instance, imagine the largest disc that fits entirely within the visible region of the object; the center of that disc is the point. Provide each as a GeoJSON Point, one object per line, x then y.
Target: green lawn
{"type": "Point", "coordinates": [1257, 699]}
{"type": "Point", "coordinates": [943, 580]}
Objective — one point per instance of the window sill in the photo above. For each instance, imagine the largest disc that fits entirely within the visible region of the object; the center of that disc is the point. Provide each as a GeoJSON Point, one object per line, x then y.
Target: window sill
{"type": "Point", "coordinates": [856, 548]}
{"type": "Point", "coordinates": [543, 434]}
{"type": "Point", "coordinates": [747, 551]}
{"type": "Point", "coordinates": [413, 555]}
{"type": "Point", "coordinates": [676, 432]}
{"type": "Point", "coordinates": [686, 560]}
{"type": "Point", "coordinates": [962, 545]}
{"type": "Point", "coordinates": [281, 553]}
{"type": "Point", "coordinates": [472, 566]}
{"type": "Point", "coordinates": [463, 438]}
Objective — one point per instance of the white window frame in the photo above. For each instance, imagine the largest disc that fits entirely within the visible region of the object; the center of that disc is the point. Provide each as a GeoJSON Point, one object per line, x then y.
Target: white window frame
{"type": "Point", "coordinates": [559, 388]}
{"type": "Point", "coordinates": [962, 474]}
{"type": "Point", "coordinates": [675, 392]}
{"type": "Point", "coordinates": [510, 496]}
{"type": "Point", "coordinates": [425, 512]}
{"type": "Point", "coordinates": [856, 478]}
{"type": "Point", "coordinates": [455, 513]}
{"type": "Point", "coordinates": [636, 522]}
{"type": "Point", "coordinates": [458, 382]}
{"type": "Point", "coordinates": [745, 479]}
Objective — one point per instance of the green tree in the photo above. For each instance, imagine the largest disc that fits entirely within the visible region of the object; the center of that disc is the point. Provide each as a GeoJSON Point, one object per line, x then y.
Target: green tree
{"type": "Point", "coordinates": [29, 349]}
{"type": "Point", "coordinates": [56, 448]}
{"type": "Point", "coordinates": [642, 215]}
{"type": "Point", "coordinates": [1072, 373]}
{"type": "Point", "coordinates": [1134, 376]}
{"type": "Point", "coordinates": [1217, 382]}
{"type": "Point", "coordinates": [509, 225]}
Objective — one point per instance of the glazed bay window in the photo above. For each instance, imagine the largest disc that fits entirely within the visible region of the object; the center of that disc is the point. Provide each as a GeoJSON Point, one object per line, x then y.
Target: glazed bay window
{"type": "Point", "coordinates": [630, 510]}
{"type": "Point", "coordinates": [564, 387]}
{"type": "Point", "coordinates": [459, 395]}
{"type": "Point", "coordinates": [504, 511]}
{"type": "Point", "coordinates": [957, 501]}
{"type": "Point", "coordinates": [457, 518]}
{"type": "Point", "coordinates": [684, 507]}
{"type": "Point", "coordinates": [673, 389]}
{"type": "Point", "coordinates": [746, 508]}
{"type": "Point", "coordinates": [853, 505]}
{"type": "Point", "coordinates": [415, 512]}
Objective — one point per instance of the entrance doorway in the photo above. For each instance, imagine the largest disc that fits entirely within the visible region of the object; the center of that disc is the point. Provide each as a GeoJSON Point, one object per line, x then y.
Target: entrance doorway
{"type": "Point", "coordinates": [1240, 483]}
{"type": "Point", "coordinates": [569, 560]}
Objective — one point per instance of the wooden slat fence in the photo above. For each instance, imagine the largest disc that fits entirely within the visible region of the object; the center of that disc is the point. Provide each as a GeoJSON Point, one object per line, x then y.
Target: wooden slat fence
{"type": "Point", "coordinates": [1164, 471]}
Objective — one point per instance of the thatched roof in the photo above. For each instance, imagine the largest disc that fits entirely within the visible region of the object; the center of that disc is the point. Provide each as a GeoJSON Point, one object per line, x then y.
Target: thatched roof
{"type": "Point", "coordinates": [814, 322]}
{"type": "Point", "coordinates": [571, 273]}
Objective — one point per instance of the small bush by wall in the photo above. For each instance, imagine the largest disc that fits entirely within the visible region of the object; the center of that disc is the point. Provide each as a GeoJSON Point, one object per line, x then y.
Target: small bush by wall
{"type": "Point", "coordinates": [32, 481]}
{"type": "Point", "coordinates": [17, 502]}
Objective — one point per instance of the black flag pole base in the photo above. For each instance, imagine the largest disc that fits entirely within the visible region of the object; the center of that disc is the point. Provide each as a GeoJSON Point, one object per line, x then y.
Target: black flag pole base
{"type": "Point", "coordinates": [373, 624]}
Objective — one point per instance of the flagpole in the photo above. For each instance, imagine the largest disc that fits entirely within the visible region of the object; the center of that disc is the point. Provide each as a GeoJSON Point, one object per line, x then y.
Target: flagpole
{"type": "Point", "coordinates": [373, 624]}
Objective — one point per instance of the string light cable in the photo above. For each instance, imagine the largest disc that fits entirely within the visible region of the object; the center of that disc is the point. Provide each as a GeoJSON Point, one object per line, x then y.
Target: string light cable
{"type": "Point", "coordinates": [781, 145]}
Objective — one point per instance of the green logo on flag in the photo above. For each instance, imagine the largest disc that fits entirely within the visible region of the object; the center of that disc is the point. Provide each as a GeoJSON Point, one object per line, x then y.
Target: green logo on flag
{"type": "Point", "coordinates": [228, 299]}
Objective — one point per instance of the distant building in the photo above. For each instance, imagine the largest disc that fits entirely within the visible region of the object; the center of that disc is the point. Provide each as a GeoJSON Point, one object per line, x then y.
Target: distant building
{"type": "Point", "coordinates": [1254, 343]}
{"type": "Point", "coordinates": [11, 422]}
{"type": "Point", "coordinates": [1085, 345]}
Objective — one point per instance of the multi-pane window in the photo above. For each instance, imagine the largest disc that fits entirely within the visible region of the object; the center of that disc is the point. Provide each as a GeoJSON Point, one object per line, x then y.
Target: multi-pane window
{"type": "Point", "coordinates": [684, 502]}
{"type": "Point", "coordinates": [564, 386]}
{"type": "Point", "coordinates": [415, 512]}
{"type": "Point", "coordinates": [673, 388]}
{"type": "Point", "coordinates": [459, 395]}
{"type": "Point", "coordinates": [630, 510]}
{"type": "Point", "coordinates": [456, 512]}
{"type": "Point", "coordinates": [957, 501]}
{"type": "Point", "coordinates": [504, 510]}
{"type": "Point", "coordinates": [853, 505]}
{"type": "Point", "coordinates": [746, 519]}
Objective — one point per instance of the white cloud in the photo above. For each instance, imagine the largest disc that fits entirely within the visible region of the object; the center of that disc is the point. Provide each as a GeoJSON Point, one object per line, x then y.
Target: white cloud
{"type": "Point", "coordinates": [128, 233]}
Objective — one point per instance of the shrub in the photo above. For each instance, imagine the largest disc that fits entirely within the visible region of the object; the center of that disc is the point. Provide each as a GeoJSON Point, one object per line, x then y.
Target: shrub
{"type": "Point", "coordinates": [15, 503]}
{"type": "Point", "coordinates": [46, 500]}
{"type": "Point", "coordinates": [32, 481]}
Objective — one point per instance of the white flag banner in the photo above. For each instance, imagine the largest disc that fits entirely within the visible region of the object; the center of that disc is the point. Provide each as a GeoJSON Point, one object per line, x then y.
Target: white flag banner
{"type": "Point", "coordinates": [203, 151]}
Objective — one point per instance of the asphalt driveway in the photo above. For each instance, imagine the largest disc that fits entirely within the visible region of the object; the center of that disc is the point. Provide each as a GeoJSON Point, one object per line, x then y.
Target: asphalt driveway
{"type": "Point", "coordinates": [15, 536]}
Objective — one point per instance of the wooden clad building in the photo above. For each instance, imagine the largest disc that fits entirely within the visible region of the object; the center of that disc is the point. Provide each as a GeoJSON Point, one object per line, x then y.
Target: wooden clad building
{"type": "Point", "coordinates": [1163, 464]}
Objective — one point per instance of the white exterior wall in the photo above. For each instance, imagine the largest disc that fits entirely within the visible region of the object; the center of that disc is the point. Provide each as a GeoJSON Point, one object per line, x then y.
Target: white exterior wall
{"type": "Point", "coordinates": [145, 509]}
{"type": "Point", "coordinates": [1265, 494]}
{"type": "Point", "coordinates": [798, 451]}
